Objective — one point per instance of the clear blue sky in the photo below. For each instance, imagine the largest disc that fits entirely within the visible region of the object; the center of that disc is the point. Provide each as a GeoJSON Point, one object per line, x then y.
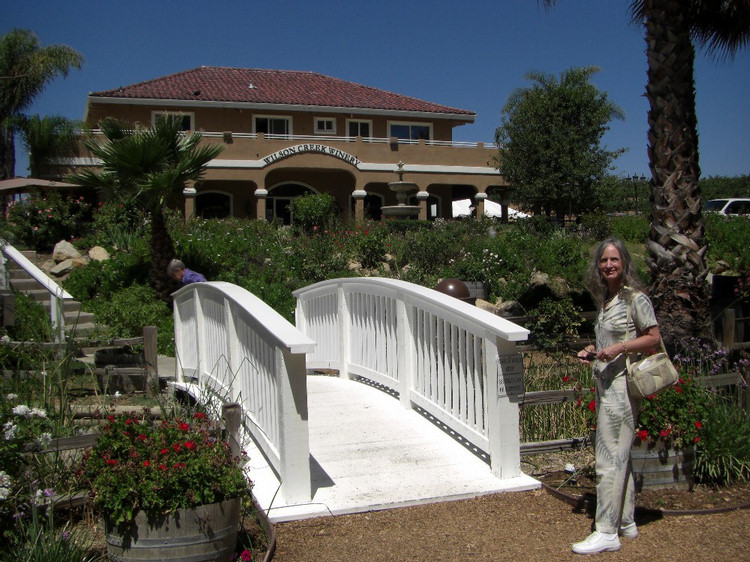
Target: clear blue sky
{"type": "Point", "coordinates": [469, 55]}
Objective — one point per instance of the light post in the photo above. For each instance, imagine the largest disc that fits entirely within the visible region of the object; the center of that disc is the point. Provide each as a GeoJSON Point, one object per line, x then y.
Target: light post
{"type": "Point", "coordinates": [635, 180]}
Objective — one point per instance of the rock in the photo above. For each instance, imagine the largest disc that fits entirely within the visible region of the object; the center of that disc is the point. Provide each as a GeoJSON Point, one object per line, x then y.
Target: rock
{"type": "Point", "coordinates": [64, 251]}
{"type": "Point", "coordinates": [354, 266]}
{"type": "Point", "coordinates": [510, 308]}
{"type": "Point", "coordinates": [80, 262]}
{"type": "Point", "coordinates": [486, 305]}
{"type": "Point", "coordinates": [97, 253]}
{"type": "Point", "coordinates": [48, 265]}
{"type": "Point", "coordinates": [62, 268]}
{"type": "Point", "coordinates": [721, 267]}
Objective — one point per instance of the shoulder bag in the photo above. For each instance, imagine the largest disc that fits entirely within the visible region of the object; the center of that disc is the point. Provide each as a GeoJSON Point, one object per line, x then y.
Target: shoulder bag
{"type": "Point", "coordinates": [651, 374]}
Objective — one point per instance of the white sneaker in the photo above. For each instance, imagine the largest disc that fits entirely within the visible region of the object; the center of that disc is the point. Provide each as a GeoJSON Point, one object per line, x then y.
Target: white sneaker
{"type": "Point", "coordinates": [629, 531]}
{"type": "Point", "coordinates": [597, 542]}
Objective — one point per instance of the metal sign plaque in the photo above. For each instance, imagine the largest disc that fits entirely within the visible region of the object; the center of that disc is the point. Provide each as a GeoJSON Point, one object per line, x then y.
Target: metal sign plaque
{"type": "Point", "coordinates": [510, 374]}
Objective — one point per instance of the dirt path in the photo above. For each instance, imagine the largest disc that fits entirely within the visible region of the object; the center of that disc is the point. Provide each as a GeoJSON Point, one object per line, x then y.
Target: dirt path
{"type": "Point", "coordinates": [519, 527]}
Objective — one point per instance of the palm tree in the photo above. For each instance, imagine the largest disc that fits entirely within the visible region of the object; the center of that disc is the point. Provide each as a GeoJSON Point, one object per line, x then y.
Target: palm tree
{"type": "Point", "coordinates": [677, 242]}
{"type": "Point", "coordinates": [152, 167]}
{"type": "Point", "coordinates": [47, 137]}
{"type": "Point", "coordinates": [25, 70]}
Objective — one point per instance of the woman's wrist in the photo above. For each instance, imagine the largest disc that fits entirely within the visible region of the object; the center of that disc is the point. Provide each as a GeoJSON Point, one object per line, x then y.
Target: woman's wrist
{"type": "Point", "coordinates": [624, 347]}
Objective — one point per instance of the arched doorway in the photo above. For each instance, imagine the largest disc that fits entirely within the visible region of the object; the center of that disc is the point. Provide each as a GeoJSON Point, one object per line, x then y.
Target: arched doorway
{"type": "Point", "coordinates": [279, 201]}
{"type": "Point", "coordinates": [372, 204]}
{"type": "Point", "coordinates": [213, 205]}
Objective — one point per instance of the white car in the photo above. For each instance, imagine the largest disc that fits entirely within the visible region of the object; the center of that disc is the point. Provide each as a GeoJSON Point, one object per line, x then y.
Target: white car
{"type": "Point", "coordinates": [733, 206]}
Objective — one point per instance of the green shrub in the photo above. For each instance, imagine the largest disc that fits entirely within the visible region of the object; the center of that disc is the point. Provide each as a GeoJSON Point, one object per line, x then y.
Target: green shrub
{"type": "Point", "coordinates": [117, 224]}
{"type": "Point", "coordinates": [128, 310]}
{"type": "Point", "coordinates": [729, 240]}
{"type": "Point", "coordinates": [723, 455]}
{"type": "Point", "coordinates": [314, 213]}
{"type": "Point", "coordinates": [632, 229]}
{"type": "Point", "coordinates": [41, 222]}
{"type": "Point", "coordinates": [32, 321]}
{"type": "Point", "coordinates": [554, 321]}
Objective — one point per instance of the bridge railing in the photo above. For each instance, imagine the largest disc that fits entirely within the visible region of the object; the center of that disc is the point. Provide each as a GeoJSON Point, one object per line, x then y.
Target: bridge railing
{"type": "Point", "coordinates": [230, 343]}
{"type": "Point", "coordinates": [448, 358]}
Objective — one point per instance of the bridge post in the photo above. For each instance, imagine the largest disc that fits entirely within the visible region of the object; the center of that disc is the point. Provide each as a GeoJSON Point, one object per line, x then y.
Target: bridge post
{"type": "Point", "coordinates": [504, 368]}
{"type": "Point", "coordinates": [294, 445]}
{"type": "Point", "coordinates": [406, 347]}
{"type": "Point", "coordinates": [344, 332]}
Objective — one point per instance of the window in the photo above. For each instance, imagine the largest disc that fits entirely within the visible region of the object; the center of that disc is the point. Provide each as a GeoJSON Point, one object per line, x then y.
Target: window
{"type": "Point", "coordinates": [410, 131]}
{"type": "Point", "coordinates": [325, 126]}
{"type": "Point", "coordinates": [187, 120]}
{"type": "Point", "coordinates": [273, 125]}
{"type": "Point", "coordinates": [359, 128]}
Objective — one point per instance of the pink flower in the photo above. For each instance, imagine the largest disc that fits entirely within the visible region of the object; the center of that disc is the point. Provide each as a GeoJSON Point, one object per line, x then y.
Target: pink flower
{"type": "Point", "coordinates": [246, 555]}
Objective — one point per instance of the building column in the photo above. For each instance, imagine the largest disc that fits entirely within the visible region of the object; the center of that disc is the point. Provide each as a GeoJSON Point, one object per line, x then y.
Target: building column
{"type": "Point", "coordinates": [479, 199]}
{"type": "Point", "coordinates": [422, 196]}
{"type": "Point", "coordinates": [260, 203]}
{"type": "Point", "coordinates": [359, 205]}
{"type": "Point", "coordinates": [189, 193]}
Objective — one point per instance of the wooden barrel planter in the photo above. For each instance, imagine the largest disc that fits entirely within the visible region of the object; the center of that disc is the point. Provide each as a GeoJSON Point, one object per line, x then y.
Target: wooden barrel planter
{"type": "Point", "coordinates": [657, 466]}
{"type": "Point", "coordinates": [207, 533]}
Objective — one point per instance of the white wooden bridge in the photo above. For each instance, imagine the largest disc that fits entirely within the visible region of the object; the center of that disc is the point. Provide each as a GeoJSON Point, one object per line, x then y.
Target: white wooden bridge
{"type": "Point", "coordinates": [424, 406]}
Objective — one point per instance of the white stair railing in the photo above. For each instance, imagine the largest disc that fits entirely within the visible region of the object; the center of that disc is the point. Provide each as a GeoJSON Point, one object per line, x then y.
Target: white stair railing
{"type": "Point", "coordinates": [57, 294]}
{"type": "Point", "coordinates": [232, 344]}
{"type": "Point", "coordinates": [457, 363]}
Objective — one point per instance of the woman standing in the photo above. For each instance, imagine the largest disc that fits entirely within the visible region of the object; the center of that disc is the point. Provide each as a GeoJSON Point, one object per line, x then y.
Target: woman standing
{"type": "Point", "coordinates": [614, 284]}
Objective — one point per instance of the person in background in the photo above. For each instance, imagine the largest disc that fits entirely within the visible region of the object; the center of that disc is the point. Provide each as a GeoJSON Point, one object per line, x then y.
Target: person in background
{"type": "Point", "coordinates": [614, 284]}
{"type": "Point", "coordinates": [179, 272]}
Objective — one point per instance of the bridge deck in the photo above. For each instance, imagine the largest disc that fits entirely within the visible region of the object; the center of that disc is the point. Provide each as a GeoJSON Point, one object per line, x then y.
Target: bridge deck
{"type": "Point", "coordinates": [368, 453]}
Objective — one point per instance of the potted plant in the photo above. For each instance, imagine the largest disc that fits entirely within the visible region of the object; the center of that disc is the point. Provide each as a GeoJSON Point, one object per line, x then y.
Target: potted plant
{"type": "Point", "coordinates": [669, 427]}
{"type": "Point", "coordinates": [166, 488]}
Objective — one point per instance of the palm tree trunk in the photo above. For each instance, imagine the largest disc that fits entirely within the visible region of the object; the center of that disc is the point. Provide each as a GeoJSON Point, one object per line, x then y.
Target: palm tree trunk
{"type": "Point", "coordinates": [7, 154]}
{"type": "Point", "coordinates": [162, 251]}
{"type": "Point", "coordinates": [676, 242]}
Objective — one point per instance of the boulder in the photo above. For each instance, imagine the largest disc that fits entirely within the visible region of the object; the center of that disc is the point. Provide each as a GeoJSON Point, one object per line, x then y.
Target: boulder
{"type": "Point", "coordinates": [62, 268]}
{"type": "Point", "coordinates": [510, 308]}
{"type": "Point", "coordinates": [486, 305]}
{"type": "Point", "coordinates": [97, 253]}
{"type": "Point", "coordinates": [64, 251]}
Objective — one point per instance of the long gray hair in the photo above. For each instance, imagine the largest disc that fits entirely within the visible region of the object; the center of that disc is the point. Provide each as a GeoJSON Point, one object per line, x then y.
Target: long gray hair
{"type": "Point", "coordinates": [594, 281]}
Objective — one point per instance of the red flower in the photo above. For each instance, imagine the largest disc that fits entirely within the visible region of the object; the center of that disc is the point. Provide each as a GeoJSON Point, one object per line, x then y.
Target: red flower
{"type": "Point", "coordinates": [140, 437]}
{"type": "Point", "coordinates": [696, 439]}
{"type": "Point", "coordinates": [566, 378]}
{"type": "Point", "coordinates": [578, 403]}
{"type": "Point", "coordinates": [111, 418]}
{"type": "Point", "coordinates": [699, 425]}
{"type": "Point", "coordinates": [176, 447]}
{"type": "Point", "coordinates": [147, 463]}
{"type": "Point", "coordinates": [111, 462]}
{"type": "Point", "coordinates": [164, 451]}
{"type": "Point", "coordinates": [183, 426]}
{"type": "Point", "coordinates": [162, 467]}
{"type": "Point", "coordinates": [678, 389]}
{"type": "Point", "coordinates": [189, 445]}
{"type": "Point", "coordinates": [665, 432]}
{"type": "Point", "coordinates": [200, 416]}
{"type": "Point", "coordinates": [650, 396]}
{"type": "Point", "coordinates": [643, 435]}
{"type": "Point", "coordinates": [592, 405]}
{"type": "Point", "coordinates": [129, 421]}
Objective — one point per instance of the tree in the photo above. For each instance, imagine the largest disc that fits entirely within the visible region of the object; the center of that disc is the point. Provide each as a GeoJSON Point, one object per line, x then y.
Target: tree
{"type": "Point", "coordinates": [47, 137]}
{"type": "Point", "coordinates": [151, 166]}
{"type": "Point", "coordinates": [677, 242]}
{"type": "Point", "coordinates": [25, 70]}
{"type": "Point", "coordinates": [549, 141]}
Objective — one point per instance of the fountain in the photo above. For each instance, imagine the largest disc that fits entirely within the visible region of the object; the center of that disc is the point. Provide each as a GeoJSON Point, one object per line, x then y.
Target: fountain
{"type": "Point", "coordinates": [402, 190]}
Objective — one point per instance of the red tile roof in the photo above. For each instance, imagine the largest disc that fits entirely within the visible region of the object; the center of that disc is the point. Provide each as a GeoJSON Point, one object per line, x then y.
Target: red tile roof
{"type": "Point", "coordinates": [250, 85]}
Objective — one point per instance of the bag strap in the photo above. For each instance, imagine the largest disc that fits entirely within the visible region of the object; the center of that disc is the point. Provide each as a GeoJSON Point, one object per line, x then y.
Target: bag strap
{"type": "Point", "coordinates": [627, 327]}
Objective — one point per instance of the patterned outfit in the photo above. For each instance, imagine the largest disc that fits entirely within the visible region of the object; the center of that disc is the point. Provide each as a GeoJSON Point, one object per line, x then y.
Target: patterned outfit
{"type": "Point", "coordinates": [616, 411]}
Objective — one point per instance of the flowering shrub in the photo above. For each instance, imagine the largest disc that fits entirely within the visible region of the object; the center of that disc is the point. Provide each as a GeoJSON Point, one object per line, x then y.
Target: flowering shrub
{"type": "Point", "coordinates": [161, 467]}
{"type": "Point", "coordinates": [676, 415]}
{"type": "Point", "coordinates": [42, 222]}
{"type": "Point", "coordinates": [20, 426]}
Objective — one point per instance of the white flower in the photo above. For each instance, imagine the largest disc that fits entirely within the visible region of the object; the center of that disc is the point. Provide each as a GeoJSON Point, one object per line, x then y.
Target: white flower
{"type": "Point", "coordinates": [22, 410]}
{"type": "Point", "coordinates": [44, 440]}
{"type": "Point", "coordinates": [38, 412]}
{"type": "Point", "coordinates": [11, 396]}
{"type": "Point", "coordinates": [9, 431]}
